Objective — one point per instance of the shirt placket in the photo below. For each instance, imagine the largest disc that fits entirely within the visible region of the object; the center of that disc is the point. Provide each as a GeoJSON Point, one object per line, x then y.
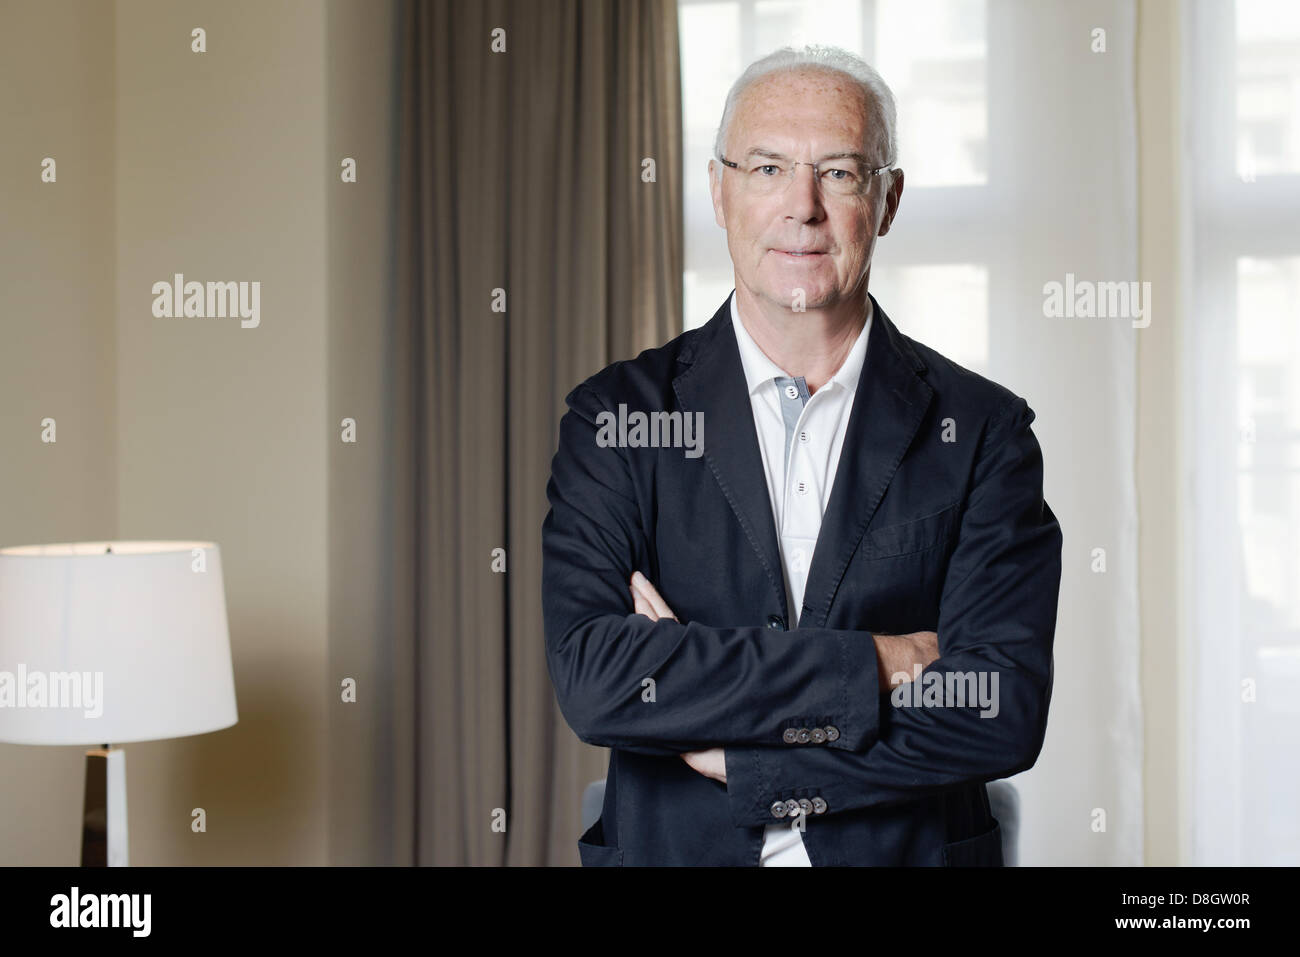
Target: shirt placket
{"type": "Point", "coordinates": [800, 512]}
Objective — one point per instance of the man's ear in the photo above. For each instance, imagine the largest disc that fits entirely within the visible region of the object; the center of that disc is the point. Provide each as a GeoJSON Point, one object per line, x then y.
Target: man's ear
{"type": "Point", "coordinates": [715, 191]}
{"type": "Point", "coordinates": [893, 196]}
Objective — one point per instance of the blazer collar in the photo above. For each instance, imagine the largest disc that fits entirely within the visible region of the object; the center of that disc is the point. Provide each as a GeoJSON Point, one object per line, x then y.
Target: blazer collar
{"type": "Point", "coordinates": [891, 400]}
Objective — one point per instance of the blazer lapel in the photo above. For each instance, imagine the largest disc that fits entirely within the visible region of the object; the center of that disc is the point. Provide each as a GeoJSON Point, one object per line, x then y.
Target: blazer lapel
{"type": "Point", "coordinates": [890, 402]}
{"type": "Point", "coordinates": [715, 385]}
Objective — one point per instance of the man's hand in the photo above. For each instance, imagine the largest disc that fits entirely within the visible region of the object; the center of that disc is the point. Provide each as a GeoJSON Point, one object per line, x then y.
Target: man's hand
{"type": "Point", "coordinates": [711, 763]}
{"type": "Point", "coordinates": [647, 601]}
{"type": "Point", "coordinates": [896, 656]}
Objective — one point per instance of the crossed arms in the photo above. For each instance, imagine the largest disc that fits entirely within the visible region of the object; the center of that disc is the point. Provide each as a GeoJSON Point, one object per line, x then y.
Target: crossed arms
{"type": "Point", "coordinates": [896, 655]}
{"type": "Point", "coordinates": [738, 688]}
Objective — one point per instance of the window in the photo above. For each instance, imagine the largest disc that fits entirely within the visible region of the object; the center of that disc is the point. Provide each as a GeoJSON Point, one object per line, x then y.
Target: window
{"type": "Point", "coordinates": [1244, 429]}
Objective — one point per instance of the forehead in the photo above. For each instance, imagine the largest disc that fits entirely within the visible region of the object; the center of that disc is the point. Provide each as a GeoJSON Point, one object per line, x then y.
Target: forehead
{"type": "Point", "coordinates": [793, 106]}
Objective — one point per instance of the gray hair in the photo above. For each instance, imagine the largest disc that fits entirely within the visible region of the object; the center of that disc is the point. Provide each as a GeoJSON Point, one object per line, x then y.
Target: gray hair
{"type": "Point", "coordinates": [829, 59]}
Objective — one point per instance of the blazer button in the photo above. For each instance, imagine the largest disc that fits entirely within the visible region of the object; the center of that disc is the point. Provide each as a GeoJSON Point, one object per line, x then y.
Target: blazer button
{"type": "Point", "coordinates": [777, 809]}
{"type": "Point", "coordinates": [791, 807]}
{"type": "Point", "coordinates": [806, 806]}
{"type": "Point", "coordinates": [818, 736]}
{"type": "Point", "coordinates": [803, 737]}
{"type": "Point", "coordinates": [832, 733]}
{"type": "Point", "coordinates": [790, 736]}
{"type": "Point", "coordinates": [819, 805]}
{"type": "Point", "coordinates": [776, 621]}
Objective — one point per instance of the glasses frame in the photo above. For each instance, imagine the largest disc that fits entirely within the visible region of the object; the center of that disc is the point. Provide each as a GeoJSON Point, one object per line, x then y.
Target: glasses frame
{"type": "Point", "coordinates": [816, 172]}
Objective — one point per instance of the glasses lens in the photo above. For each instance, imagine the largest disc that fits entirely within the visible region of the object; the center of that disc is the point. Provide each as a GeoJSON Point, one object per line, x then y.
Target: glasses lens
{"type": "Point", "coordinates": [763, 177]}
{"type": "Point", "coordinates": [840, 177]}
{"type": "Point", "coordinates": [843, 178]}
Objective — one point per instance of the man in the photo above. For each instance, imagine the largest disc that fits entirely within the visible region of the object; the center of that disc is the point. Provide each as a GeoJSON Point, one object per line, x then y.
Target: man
{"type": "Point", "coordinates": [865, 514]}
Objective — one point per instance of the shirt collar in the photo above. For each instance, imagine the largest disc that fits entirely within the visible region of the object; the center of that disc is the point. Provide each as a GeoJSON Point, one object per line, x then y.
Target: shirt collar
{"type": "Point", "coordinates": [760, 370]}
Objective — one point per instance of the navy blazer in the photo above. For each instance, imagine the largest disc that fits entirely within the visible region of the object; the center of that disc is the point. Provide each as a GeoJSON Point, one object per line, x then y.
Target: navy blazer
{"type": "Point", "coordinates": [936, 522]}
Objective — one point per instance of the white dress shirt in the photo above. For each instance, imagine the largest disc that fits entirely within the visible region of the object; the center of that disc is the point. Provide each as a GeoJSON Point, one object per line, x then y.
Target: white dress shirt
{"type": "Point", "coordinates": [800, 438]}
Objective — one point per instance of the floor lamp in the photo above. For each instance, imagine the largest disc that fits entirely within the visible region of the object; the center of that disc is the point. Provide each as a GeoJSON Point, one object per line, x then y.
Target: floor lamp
{"type": "Point", "coordinates": [104, 643]}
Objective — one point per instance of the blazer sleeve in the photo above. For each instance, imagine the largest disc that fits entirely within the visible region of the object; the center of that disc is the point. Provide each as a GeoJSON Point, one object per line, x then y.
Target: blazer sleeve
{"type": "Point", "coordinates": [711, 686]}
{"type": "Point", "coordinates": [997, 617]}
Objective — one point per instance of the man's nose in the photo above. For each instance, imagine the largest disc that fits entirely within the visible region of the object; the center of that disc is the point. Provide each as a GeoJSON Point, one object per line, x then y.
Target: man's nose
{"type": "Point", "coordinates": [802, 197]}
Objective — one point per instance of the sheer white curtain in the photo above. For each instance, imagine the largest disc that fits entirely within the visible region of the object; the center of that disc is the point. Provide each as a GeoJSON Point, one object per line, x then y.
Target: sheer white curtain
{"type": "Point", "coordinates": [1016, 123]}
{"type": "Point", "coordinates": [1242, 90]}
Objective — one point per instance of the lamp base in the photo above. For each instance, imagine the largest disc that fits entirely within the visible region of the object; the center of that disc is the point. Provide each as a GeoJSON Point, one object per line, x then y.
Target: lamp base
{"type": "Point", "coordinates": [103, 830]}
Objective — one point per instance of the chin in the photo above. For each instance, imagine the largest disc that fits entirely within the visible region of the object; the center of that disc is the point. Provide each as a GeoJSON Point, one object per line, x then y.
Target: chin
{"type": "Point", "coordinates": [781, 292]}
{"type": "Point", "coordinates": [812, 298]}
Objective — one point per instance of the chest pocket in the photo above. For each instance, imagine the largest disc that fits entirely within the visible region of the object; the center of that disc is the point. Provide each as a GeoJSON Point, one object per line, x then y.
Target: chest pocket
{"type": "Point", "coordinates": [917, 535]}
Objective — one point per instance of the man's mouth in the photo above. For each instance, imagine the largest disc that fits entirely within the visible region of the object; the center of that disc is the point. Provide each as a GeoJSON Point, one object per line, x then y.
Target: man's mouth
{"type": "Point", "coordinates": [801, 253]}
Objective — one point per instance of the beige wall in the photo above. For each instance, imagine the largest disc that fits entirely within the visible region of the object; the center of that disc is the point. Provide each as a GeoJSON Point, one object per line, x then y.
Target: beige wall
{"type": "Point", "coordinates": [222, 431]}
{"type": "Point", "coordinates": [371, 769]}
{"type": "Point", "coordinates": [215, 165]}
{"type": "Point", "coordinates": [57, 345]}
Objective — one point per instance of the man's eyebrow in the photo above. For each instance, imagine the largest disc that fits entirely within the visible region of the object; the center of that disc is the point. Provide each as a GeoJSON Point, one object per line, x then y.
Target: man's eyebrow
{"type": "Point", "coordinates": [843, 154]}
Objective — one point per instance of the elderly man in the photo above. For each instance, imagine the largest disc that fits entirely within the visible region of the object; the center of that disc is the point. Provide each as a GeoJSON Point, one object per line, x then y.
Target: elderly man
{"type": "Point", "coordinates": [815, 642]}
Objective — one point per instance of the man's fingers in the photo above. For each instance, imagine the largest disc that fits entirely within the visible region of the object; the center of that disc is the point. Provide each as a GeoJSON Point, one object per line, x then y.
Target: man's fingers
{"type": "Point", "coordinates": [642, 607]}
{"type": "Point", "coordinates": [641, 585]}
{"type": "Point", "coordinates": [660, 606]}
{"type": "Point", "coordinates": [711, 763]}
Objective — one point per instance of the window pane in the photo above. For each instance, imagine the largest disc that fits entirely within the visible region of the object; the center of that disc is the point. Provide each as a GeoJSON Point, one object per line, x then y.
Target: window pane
{"type": "Point", "coordinates": [1268, 512]}
{"type": "Point", "coordinates": [1268, 87]}
{"type": "Point", "coordinates": [945, 307]}
{"type": "Point", "coordinates": [933, 54]}
{"type": "Point", "coordinates": [709, 40]}
{"type": "Point", "coordinates": [1268, 402]}
{"type": "Point", "coordinates": [795, 23]}
{"type": "Point", "coordinates": [712, 58]}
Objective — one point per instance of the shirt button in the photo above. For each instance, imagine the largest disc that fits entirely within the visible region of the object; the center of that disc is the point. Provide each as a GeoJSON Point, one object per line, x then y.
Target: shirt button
{"type": "Point", "coordinates": [801, 488]}
{"type": "Point", "coordinates": [803, 436]}
{"type": "Point", "coordinates": [792, 392]}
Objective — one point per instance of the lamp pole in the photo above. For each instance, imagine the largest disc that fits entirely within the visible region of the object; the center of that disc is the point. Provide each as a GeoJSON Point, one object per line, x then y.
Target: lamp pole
{"type": "Point", "coordinates": [103, 831]}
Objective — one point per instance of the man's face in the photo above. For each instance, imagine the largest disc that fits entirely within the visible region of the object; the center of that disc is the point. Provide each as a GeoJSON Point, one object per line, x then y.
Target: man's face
{"type": "Point", "coordinates": [803, 115]}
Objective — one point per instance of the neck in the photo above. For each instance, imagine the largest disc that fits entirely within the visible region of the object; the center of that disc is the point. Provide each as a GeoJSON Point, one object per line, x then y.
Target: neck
{"type": "Point", "coordinates": [812, 344]}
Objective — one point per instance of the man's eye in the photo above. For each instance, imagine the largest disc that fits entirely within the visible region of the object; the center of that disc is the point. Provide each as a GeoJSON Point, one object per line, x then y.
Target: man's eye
{"type": "Point", "coordinates": [843, 174]}
{"type": "Point", "coordinates": [768, 166]}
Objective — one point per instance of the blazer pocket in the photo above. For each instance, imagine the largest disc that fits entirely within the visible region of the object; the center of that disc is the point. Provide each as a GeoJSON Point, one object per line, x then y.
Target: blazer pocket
{"type": "Point", "coordinates": [593, 850]}
{"type": "Point", "coordinates": [982, 850]}
{"type": "Point", "coordinates": [917, 535]}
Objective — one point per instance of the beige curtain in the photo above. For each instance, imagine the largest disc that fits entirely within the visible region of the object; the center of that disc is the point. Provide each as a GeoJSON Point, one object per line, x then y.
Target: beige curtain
{"type": "Point", "coordinates": [529, 251]}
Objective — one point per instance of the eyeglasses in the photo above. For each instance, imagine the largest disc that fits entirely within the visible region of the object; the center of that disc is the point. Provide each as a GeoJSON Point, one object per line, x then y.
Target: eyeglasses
{"type": "Point", "coordinates": [765, 175]}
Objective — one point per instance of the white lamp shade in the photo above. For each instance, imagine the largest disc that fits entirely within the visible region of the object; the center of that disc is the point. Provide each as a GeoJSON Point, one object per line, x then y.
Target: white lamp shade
{"type": "Point", "coordinates": [145, 622]}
